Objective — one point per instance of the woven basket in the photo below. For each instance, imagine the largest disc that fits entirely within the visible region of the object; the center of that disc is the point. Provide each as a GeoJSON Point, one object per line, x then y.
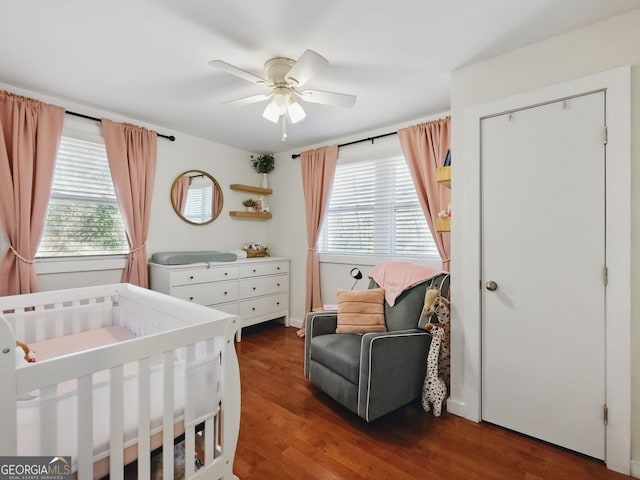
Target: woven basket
{"type": "Point", "coordinates": [255, 253]}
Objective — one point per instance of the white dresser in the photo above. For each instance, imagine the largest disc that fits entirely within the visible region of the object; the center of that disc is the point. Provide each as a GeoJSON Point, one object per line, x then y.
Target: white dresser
{"type": "Point", "coordinates": [255, 289]}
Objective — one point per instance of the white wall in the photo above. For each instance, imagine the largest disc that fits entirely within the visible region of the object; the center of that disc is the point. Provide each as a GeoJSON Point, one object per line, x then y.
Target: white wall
{"type": "Point", "coordinates": [287, 230]}
{"type": "Point", "coordinates": [587, 51]}
{"type": "Point", "coordinates": [285, 233]}
{"type": "Point", "coordinates": [166, 230]}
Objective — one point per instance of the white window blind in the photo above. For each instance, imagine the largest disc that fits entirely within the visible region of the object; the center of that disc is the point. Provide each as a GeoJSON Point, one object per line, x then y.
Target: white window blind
{"type": "Point", "coordinates": [199, 201]}
{"type": "Point", "coordinates": [374, 211]}
{"type": "Point", "coordinates": [83, 217]}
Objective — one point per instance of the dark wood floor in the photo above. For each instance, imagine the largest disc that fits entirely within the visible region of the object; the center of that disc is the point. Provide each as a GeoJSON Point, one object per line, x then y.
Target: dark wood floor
{"type": "Point", "coordinates": [290, 430]}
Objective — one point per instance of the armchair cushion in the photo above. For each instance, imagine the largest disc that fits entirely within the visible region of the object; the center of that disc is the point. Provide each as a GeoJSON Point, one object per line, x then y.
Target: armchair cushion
{"type": "Point", "coordinates": [361, 311]}
{"type": "Point", "coordinates": [340, 353]}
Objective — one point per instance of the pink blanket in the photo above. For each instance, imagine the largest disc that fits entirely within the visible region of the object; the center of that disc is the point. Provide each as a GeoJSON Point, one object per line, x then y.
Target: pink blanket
{"type": "Point", "coordinates": [395, 277]}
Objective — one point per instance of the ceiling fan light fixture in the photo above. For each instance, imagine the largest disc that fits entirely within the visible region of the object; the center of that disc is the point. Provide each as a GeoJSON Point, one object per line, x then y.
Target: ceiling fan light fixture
{"type": "Point", "coordinates": [280, 101]}
{"type": "Point", "coordinates": [271, 114]}
{"type": "Point", "coordinates": [295, 112]}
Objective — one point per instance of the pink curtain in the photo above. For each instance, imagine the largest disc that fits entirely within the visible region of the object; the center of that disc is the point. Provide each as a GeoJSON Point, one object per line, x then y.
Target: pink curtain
{"type": "Point", "coordinates": [216, 200]}
{"type": "Point", "coordinates": [131, 151]}
{"type": "Point", "coordinates": [179, 193]}
{"type": "Point", "coordinates": [29, 137]}
{"type": "Point", "coordinates": [318, 168]}
{"type": "Point", "coordinates": [425, 147]}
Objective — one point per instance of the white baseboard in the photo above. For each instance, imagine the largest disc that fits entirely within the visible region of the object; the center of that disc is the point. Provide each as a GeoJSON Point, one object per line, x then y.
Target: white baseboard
{"type": "Point", "coordinates": [296, 322]}
{"type": "Point", "coordinates": [635, 468]}
{"type": "Point", "coordinates": [455, 407]}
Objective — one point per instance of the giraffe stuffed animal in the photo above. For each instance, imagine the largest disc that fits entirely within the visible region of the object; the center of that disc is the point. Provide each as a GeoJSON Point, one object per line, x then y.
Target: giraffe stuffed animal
{"type": "Point", "coordinates": [438, 306]}
{"type": "Point", "coordinates": [434, 390]}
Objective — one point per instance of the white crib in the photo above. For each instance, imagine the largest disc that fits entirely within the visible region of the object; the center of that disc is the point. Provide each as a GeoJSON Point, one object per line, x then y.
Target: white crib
{"type": "Point", "coordinates": [175, 374]}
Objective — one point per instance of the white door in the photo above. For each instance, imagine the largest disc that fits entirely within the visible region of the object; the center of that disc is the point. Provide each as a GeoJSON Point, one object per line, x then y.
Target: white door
{"type": "Point", "coordinates": [543, 244]}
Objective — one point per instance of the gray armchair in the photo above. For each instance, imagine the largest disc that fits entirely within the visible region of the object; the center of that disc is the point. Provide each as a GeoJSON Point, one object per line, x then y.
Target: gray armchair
{"type": "Point", "coordinates": [372, 374]}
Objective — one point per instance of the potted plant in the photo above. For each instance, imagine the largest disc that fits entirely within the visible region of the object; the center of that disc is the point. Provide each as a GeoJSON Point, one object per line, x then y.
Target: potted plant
{"type": "Point", "coordinates": [249, 204]}
{"type": "Point", "coordinates": [263, 164]}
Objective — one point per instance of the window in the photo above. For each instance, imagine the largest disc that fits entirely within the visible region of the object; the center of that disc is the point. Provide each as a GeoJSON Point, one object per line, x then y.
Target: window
{"type": "Point", "coordinates": [199, 200]}
{"type": "Point", "coordinates": [374, 211]}
{"type": "Point", "coordinates": [83, 217]}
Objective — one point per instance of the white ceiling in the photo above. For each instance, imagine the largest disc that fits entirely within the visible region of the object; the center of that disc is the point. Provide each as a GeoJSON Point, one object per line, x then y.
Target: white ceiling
{"type": "Point", "coordinates": [147, 59]}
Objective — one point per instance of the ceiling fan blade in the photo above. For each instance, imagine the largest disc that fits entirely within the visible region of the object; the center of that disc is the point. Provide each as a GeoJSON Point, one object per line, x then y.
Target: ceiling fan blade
{"type": "Point", "coordinates": [249, 100]}
{"type": "Point", "coordinates": [328, 98]}
{"type": "Point", "coordinates": [238, 72]}
{"type": "Point", "coordinates": [306, 67]}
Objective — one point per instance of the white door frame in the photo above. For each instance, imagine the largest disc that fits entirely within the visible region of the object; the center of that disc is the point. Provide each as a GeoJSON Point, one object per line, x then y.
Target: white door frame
{"type": "Point", "coordinates": [617, 84]}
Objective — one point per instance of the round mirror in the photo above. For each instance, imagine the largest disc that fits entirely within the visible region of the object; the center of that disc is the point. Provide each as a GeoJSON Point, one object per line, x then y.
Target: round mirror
{"type": "Point", "coordinates": [196, 197]}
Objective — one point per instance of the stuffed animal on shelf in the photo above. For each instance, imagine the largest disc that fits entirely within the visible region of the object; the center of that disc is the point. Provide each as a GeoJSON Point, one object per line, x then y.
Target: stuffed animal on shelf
{"type": "Point", "coordinates": [24, 354]}
{"type": "Point", "coordinates": [445, 213]}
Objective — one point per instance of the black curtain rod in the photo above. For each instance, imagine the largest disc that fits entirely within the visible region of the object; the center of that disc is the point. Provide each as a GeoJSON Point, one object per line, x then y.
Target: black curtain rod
{"type": "Point", "coordinates": [368, 139]}
{"type": "Point", "coordinates": [168, 137]}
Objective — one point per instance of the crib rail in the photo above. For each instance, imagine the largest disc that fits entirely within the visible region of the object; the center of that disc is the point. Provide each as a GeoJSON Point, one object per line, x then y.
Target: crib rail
{"type": "Point", "coordinates": [203, 336]}
{"type": "Point", "coordinates": [61, 298]}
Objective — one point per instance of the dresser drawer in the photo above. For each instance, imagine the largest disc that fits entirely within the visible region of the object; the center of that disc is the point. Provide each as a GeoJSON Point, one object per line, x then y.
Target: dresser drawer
{"type": "Point", "coordinates": [255, 287]}
{"type": "Point", "coordinates": [231, 308]}
{"type": "Point", "coordinates": [273, 306]}
{"type": "Point", "coordinates": [208, 293]}
{"type": "Point", "coordinates": [266, 268]}
{"type": "Point", "coordinates": [203, 275]}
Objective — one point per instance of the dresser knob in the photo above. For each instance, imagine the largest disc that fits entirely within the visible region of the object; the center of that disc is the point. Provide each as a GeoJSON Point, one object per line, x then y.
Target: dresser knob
{"type": "Point", "coordinates": [277, 303]}
{"type": "Point", "coordinates": [277, 268]}
{"type": "Point", "coordinates": [277, 284]}
{"type": "Point", "coordinates": [254, 289]}
{"type": "Point", "coordinates": [191, 298]}
{"type": "Point", "coordinates": [253, 309]}
{"type": "Point", "coordinates": [225, 293]}
{"type": "Point", "coordinates": [254, 270]}
{"type": "Point", "coordinates": [191, 277]}
{"type": "Point", "coordinates": [226, 273]}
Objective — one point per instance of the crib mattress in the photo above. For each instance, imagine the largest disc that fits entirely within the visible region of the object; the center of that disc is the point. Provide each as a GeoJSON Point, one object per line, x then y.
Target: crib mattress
{"type": "Point", "coordinates": [63, 405]}
{"type": "Point", "coordinates": [77, 342]}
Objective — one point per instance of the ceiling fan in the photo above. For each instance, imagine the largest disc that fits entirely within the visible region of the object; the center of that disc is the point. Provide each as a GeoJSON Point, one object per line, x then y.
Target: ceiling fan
{"type": "Point", "coordinates": [285, 77]}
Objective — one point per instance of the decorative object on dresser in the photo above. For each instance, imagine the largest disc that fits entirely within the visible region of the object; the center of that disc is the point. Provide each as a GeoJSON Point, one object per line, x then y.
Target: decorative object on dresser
{"type": "Point", "coordinates": [255, 289]}
{"type": "Point", "coordinates": [255, 250]}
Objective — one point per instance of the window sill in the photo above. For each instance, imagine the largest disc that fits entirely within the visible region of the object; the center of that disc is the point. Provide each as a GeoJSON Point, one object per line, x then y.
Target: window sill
{"type": "Point", "coordinates": [49, 266]}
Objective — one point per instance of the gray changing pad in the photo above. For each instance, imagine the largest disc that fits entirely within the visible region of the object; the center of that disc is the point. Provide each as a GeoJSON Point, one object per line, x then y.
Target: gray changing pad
{"type": "Point", "coordinates": [182, 258]}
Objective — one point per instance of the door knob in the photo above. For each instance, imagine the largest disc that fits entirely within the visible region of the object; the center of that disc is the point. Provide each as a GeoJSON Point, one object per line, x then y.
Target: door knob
{"type": "Point", "coordinates": [491, 286]}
